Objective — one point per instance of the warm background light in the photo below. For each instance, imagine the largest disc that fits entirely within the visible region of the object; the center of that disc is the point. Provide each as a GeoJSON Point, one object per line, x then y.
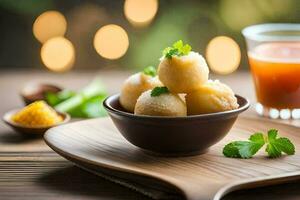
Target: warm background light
{"type": "Point", "coordinates": [58, 54]}
{"type": "Point", "coordinates": [223, 55]}
{"type": "Point", "coordinates": [140, 12]}
{"type": "Point", "coordinates": [111, 41]}
{"type": "Point", "coordinates": [239, 14]}
{"type": "Point", "coordinates": [49, 24]}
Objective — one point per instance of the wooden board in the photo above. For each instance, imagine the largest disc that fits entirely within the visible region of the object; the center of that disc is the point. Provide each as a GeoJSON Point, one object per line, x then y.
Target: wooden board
{"type": "Point", "coordinates": [96, 144]}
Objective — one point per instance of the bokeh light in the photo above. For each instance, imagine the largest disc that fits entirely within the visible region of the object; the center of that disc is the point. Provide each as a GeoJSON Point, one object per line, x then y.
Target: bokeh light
{"type": "Point", "coordinates": [140, 12]}
{"type": "Point", "coordinates": [223, 55]}
{"type": "Point", "coordinates": [111, 41]}
{"type": "Point", "coordinates": [89, 15]}
{"type": "Point", "coordinates": [58, 54]}
{"type": "Point", "coordinates": [49, 24]}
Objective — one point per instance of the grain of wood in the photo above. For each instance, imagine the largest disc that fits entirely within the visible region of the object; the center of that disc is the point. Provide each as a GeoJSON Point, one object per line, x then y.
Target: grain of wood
{"type": "Point", "coordinates": [55, 179]}
{"type": "Point", "coordinates": [79, 184]}
{"type": "Point", "coordinates": [208, 176]}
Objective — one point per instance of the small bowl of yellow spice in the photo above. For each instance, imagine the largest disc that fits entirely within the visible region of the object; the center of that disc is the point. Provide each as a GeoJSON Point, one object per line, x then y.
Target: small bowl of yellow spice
{"type": "Point", "coordinates": [35, 118]}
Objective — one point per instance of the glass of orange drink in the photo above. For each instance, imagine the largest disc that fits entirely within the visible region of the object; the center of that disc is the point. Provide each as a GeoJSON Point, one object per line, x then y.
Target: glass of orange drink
{"type": "Point", "coordinates": [274, 58]}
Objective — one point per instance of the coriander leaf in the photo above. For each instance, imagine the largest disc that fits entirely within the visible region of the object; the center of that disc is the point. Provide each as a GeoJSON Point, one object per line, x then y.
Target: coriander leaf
{"type": "Point", "coordinates": [177, 49]}
{"type": "Point", "coordinates": [151, 71]}
{"type": "Point", "coordinates": [272, 134]}
{"type": "Point", "coordinates": [186, 49]}
{"type": "Point", "coordinates": [158, 91]}
{"type": "Point", "coordinates": [286, 146]}
{"type": "Point", "coordinates": [241, 149]}
{"type": "Point", "coordinates": [171, 52]}
{"type": "Point", "coordinates": [230, 150]}
{"type": "Point", "coordinates": [273, 151]}
{"type": "Point", "coordinates": [178, 44]}
{"type": "Point", "coordinates": [246, 149]}
{"type": "Point", "coordinates": [258, 141]}
{"type": "Point", "coordinates": [257, 138]}
{"type": "Point", "coordinates": [271, 148]}
{"type": "Point", "coordinates": [166, 50]}
{"type": "Point", "coordinates": [276, 145]}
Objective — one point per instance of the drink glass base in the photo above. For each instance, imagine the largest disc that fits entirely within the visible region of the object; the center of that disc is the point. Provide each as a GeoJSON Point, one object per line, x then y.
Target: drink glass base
{"type": "Point", "coordinates": [275, 113]}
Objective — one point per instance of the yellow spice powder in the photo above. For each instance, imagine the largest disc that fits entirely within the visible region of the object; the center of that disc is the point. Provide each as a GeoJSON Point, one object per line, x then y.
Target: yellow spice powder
{"type": "Point", "coordinates": [38, 113]}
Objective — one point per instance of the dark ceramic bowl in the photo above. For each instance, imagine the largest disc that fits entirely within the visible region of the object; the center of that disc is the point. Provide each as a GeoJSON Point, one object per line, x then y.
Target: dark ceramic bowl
{"type": "Point", "coordinates": [36, 91]}
{"type": "Point", "coordinates": [38, 130]}
{"type": "Point", "coordinates": [173, 135]}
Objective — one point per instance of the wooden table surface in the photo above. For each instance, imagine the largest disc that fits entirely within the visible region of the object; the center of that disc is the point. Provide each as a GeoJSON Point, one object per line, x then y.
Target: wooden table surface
{"type": "Point", "coordinates": [29, 169]}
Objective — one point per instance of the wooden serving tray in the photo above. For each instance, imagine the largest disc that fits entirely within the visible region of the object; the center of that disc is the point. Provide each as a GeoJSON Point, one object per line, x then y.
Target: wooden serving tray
{"type": "Point", "coordinates": [96, 146]}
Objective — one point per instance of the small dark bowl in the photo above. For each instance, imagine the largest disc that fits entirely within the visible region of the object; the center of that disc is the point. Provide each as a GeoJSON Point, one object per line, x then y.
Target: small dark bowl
{"type": "Point", "coordinates": [173, 135]}
{"type": "Point", "coordinates": [28, 130]}
{"type": "Point", "coordinates": [36, 91]}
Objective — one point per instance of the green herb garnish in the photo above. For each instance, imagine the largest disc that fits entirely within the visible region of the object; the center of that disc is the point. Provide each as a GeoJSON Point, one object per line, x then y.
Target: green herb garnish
{"type": "Point", "coordinates": [151, 71]}
{"type": "Point", "coordinates": [247, 149]}
{"type": "Point", "coordinates": [55, 98]}
{"type": "Point", "coordinates": [278, 145]}
{"type": "Point", "coordinates": [177, 49]}
{"type": "Point", "coordinates": [158, 91]}
{"type": "Point", "coordinates": [85, 104]}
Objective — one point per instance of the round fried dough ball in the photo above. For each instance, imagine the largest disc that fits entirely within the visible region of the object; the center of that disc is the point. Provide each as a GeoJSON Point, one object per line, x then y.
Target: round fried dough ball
{"type": "Point", "coordinates": [183, 74]}
{"type": "Point", "coordinates": [134, 86]}
{"type": "Point", "coordinates": [213, 96]}
{"type": "Point", "coordinates": [166, 104]}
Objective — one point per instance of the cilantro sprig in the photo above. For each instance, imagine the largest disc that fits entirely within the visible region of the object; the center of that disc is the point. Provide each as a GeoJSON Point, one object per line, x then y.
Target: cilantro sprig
{"type": "Point", "coordinates": [150, 70]}
{"type": "Point", "coordinates": [276, 145]}
{"type": "Point", "coordinates": [246, 149]}
{"type": "Point", "coordinates": [178, 49]}
{"type": "Point", "coordinates": [158, 91]}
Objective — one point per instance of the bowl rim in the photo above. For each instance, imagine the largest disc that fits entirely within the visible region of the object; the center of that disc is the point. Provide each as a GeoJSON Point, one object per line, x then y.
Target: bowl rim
{"type": "Point", "coordinates": [253, 32]}
{"type": "Point", "coordinates": [109, 108]}
{"type": "Point", "coordinates": [7, 119]}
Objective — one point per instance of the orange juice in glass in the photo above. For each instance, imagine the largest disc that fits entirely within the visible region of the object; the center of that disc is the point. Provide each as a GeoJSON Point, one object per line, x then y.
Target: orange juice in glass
{"type": "Point", "coordinates": [274, 58]}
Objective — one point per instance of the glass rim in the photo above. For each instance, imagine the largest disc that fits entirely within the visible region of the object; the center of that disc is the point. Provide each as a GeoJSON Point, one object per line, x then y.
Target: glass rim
{"type": "Point", "coordinates": [253, 32]}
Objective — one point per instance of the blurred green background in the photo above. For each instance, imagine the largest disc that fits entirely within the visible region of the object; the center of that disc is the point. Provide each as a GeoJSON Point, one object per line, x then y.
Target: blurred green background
{"type": "Point", "coordinates": [195, 22]}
